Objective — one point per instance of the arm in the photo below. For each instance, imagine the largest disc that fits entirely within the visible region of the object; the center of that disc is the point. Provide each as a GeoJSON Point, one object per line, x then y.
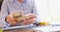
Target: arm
{"type": "Point", "coordinates": [34, 11]}
{"type": "Point", "coordinates": [3, 14]}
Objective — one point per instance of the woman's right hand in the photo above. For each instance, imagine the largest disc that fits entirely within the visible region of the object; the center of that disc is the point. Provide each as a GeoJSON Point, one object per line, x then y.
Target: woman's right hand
{"type": "Point", "coordinates": [11, 20]}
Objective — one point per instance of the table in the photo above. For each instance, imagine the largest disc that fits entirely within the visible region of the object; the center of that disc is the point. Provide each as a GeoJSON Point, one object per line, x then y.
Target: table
{"type": "Point", "coordinates": [18, 30]}
{"type": "Point", "coordinates": [50, 28]}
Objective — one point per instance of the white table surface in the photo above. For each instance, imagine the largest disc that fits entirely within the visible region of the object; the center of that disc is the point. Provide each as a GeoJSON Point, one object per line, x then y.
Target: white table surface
{"type": "Point", "coordinates": [43, 28]}
{"type": "Point", "coordinates": [48, 28]}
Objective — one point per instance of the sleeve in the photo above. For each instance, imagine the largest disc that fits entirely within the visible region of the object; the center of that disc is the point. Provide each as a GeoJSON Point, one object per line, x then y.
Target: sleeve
{"type": "Point", "coordinates": [34, 10]}
{"type": "Point", "coordinates": [3, 14]}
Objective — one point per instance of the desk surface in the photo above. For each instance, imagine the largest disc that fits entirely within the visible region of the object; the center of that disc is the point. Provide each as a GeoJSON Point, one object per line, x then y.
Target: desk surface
{"type": "Point", "coordinates": [19, 27]}
{"type": "Point", "coordinates": [43, 28]}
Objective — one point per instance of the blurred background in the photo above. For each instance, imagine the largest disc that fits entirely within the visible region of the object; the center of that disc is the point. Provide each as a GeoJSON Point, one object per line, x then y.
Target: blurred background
{"type": "Point", "coordinates": [49, 10]}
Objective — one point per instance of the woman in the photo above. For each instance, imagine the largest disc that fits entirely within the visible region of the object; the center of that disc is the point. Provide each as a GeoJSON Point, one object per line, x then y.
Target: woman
{"type": "Point", "coordinates": [8, 6]}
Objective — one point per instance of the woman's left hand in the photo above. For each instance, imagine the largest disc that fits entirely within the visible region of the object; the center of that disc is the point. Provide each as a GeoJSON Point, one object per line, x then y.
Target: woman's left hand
{"type": "Point", "coordinates": [31, 20]}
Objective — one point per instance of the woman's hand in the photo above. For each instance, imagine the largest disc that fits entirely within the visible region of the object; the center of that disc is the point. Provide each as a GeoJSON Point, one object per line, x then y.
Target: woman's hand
{"type": "Point", "coordinates": [31, 20]}
{"type": "Point", "coordinates": [11, 20]}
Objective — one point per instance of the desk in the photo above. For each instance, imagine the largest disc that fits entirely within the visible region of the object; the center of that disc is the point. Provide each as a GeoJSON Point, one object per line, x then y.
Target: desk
{"type": "Point", "coordinates": [43, 28]}
{"type": "Point", "coordinates": [19, 30]}
{"type": "Point", "coordinates": [49, 28]}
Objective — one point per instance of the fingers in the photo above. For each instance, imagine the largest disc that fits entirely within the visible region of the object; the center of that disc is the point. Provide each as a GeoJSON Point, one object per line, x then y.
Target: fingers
{"type": "Point", "coordinates": [30, 21]}
{"type": "Point", "coordinates": [32, 16]}
{"type": "Point", "coordinates": [11, 20]}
